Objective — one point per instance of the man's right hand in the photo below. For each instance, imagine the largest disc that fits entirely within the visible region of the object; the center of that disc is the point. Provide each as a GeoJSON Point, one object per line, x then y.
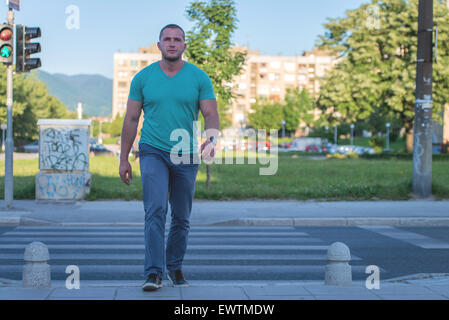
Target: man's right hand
{"type": "Point", "coordinates": [125, 168]}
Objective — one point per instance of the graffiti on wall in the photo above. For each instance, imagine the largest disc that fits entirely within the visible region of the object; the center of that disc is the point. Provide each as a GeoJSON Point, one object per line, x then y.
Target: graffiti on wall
{"type": "Point", "coordinates": [64, 149]}
{"type": "Point", "coordinates": [62, 185]}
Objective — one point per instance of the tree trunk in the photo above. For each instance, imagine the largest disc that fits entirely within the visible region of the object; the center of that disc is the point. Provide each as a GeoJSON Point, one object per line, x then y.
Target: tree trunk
{"type": "Point", "coordinates": [409, 140]}
{"type": "Point", "coordinates": [207, 177]}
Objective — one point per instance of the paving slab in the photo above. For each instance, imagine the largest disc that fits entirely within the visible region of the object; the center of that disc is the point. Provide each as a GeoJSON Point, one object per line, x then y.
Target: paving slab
{"type": "Point", "coordinates": [345, 296]}
{"type": "Point", "coordinates": [276, 290]}
{"type": "Point", "coordinates": [282, 297]}
{"type": "Point", "coordinates": [403, 289]}
{"type": "Point", "coordinates": [355, 289]}
{"type": "Point", "coordinates": [410, 297]}
{"type": "Point", "coordinates": [213, 293]}
{"type": "Point", "coordinates": [17, 293]}
{"type": "Point", "coordinates": [84, 293]}
{"type": "Point", "coordinates": [136, 293]}
{"type": "Point", "coordinates": [440, 289]}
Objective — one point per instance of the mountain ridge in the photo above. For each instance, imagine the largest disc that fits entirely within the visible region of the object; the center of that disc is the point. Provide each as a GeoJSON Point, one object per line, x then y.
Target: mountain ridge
{"type": "Point", "coordinates": [93, 90]}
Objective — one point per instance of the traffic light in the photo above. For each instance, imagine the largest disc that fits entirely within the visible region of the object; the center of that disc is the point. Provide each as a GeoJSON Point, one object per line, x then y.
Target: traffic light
{"type": "Point", "coordinates": [6, 44]}
{"type": "Point", "coordinates": [24, 48]}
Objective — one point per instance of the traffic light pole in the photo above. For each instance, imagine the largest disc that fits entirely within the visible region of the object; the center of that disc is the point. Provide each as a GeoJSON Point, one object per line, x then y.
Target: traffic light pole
{"type": "Point", "coordinates": [9, 143]}
{"type": "Point", "coordinates": [422, 131]}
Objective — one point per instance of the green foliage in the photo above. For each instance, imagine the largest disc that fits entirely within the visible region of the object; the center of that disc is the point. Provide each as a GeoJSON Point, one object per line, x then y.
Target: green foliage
{"type": "Point", "coordinates": [376, 142]}
{"type": "Point", "coordinates": [298, 107]}
{"type": "Point", "coordinates": [115, 128]}
{"type": "Point", "coordinates": [376, 73]}
{"type": "Point", "coordinates": [31, 103]}
{"type": "Point", "coordinates": [267, 115]}
{"type": "Point", "coordinates": [209, 47]}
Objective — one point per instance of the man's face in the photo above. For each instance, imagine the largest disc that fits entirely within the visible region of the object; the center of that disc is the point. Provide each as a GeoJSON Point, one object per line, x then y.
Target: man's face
{"type": "Point", "coordinates": [172, 44]}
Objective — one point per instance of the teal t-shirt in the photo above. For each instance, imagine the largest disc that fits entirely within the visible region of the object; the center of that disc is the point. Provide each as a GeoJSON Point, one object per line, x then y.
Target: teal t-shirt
{"type": "Point", "coordinates": [171, 103]}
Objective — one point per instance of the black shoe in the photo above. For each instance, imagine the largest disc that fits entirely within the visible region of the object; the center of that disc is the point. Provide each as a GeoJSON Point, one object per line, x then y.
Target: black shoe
{"type": "Point", "coordinates": [177, 278]}
{"type": "Point", "coordinates": [152, 283]}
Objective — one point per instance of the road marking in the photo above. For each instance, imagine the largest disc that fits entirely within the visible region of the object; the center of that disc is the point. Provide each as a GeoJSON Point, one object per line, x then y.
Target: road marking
{"type": "Point", "coordinates": [197, 247]}
{"type": "Point", "coordinates": [188, 257]}
{"type": "Point", "coordinates": [415, 239]}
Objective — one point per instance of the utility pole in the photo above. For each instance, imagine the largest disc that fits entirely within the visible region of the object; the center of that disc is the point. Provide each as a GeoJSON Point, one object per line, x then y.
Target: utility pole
{"type": "Point", "coordinates": [422, 130]}
{"type": "Point", "coordinates": [9, 143]}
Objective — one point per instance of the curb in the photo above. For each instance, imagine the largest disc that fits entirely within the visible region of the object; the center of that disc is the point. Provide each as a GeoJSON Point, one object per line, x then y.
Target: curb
{"type": "Point", "coordinates": [335, 222]}
{"type": "Point", "coordinates": [15, 221]}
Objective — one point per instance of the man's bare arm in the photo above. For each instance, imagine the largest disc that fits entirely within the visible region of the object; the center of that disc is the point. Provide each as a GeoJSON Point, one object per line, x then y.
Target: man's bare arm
{"type": "Point", "coordinates": [209, 110]}
{"type": "Point", "coordinates": [129, 129]}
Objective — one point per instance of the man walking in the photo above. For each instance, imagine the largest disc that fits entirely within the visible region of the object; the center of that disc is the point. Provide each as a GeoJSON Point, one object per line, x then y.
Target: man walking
{"type": "Point", "coordinates": [171, 92]}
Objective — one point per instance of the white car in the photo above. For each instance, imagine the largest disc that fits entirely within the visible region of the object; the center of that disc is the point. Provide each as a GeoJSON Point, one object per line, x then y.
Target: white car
{"type": "Point", "coordinates": [32, 147]}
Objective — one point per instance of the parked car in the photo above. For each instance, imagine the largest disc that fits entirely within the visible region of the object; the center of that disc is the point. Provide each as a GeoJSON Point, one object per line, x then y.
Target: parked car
{"type": "Point", "coordinates": [99, 149]}
{"type": "Point", "coordinates": [32, 147]}
{"type": "Point", "coordinates": [346, 149]}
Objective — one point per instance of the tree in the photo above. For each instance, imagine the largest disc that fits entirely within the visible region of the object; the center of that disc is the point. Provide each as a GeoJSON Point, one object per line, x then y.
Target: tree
{"type": "Point", "coordinates": [299, 107]}
{"type": "Point", "coordinates": [378, 64]}
{"type": "Point", "coordinates": [209, 47]}
{"type": "Point", "coordinates": [31, 103]}
{"type": "Point", "coordinates": [267, 115]}
{"type": "Point", "coordinates": [115, 128]}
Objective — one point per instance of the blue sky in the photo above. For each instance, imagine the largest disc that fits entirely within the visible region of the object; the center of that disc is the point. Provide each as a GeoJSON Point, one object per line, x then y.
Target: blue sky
{"type": "Point", "coordinates": [106, 26]}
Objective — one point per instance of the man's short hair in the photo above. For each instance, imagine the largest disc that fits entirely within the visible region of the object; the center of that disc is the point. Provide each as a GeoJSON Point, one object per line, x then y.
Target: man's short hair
{"type": "Point", "coordinates": [172, 26]}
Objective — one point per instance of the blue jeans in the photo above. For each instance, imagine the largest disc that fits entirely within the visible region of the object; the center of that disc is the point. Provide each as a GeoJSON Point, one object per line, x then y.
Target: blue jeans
{"type": "Point", "coordinates": [164, 181]}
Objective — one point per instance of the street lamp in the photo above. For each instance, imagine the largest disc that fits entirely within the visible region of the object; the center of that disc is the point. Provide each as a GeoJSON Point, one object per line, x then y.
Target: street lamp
{"type": "Point", "coordinates": [283, 130]}
{"type": "Point", "coordinates": [335, 134]}
{"type": "Point", "coordinates": [352, 134]}
{"type": "Point", "coordinates": [388, 135]}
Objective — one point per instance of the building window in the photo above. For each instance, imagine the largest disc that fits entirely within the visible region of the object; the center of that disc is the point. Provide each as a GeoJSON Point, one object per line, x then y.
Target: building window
{"type": "Point", "coordinates": [289, 77]}
{"type": "Point", "coordinates": [275, 65]}
{"type": "Point", "coordinates": [122, 84]}
{"type": "Point", "coordinates": [289, 66]}
{"type": "Point", "coordinates": [133, 63]}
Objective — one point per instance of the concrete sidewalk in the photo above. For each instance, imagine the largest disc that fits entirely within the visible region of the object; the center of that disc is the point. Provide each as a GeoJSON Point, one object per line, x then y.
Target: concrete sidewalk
{"type": "Point", "coordinates": [427, 289]}
{"type": "Point", "coordinates": [247, 212]}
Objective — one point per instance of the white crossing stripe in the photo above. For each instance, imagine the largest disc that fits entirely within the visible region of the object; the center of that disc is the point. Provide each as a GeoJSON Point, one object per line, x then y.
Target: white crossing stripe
{"type": "Point", "coordinates": [200, 247]}
{"type": "Point", "coordinates": [189, 256]}
{"type": "Point", "coordinates": [248, 229]}
{"type": "Point", "coordinates": [137, 235]}
{"type": "Point", "coordinates": [138, 269]}
{"type": "Point", "coordinates": [415, 239]}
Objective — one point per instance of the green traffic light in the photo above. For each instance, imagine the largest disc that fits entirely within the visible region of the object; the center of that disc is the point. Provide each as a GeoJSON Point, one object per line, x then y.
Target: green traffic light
{"type": "Point", "coordinates": [5, 52]}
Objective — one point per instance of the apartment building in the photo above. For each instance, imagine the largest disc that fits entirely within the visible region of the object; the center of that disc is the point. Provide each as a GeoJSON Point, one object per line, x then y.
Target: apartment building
{"type": "Point", "coordinates": [262, 76]}
{"type": "Point", "coordinates": [270, 77]}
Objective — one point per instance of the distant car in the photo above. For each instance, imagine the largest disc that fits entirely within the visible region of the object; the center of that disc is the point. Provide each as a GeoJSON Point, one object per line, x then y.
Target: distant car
{"type": "Point", "coordinates": [32, 147]}
{"type": "Point", "coordinates": [99, 149]}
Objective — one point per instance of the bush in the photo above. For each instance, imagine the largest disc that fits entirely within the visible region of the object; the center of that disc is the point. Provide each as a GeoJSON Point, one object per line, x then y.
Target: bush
{"type": "Point", "coordinates": [351, 155]}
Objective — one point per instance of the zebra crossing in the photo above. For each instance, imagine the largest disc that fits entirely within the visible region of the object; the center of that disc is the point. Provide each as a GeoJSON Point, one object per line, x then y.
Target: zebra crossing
{"type": "Point", "coordinates": [213, 253]}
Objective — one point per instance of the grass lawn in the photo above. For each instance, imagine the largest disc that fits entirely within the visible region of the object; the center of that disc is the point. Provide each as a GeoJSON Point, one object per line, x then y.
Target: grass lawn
{"type": "Point", "coordinates": [297, 177]}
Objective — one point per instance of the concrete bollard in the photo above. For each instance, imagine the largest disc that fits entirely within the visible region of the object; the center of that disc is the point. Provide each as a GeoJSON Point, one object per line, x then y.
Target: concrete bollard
{"type": "Point", "coordinates": [338, 271]}
{"type": "Point", "coordinates": [36, 272]}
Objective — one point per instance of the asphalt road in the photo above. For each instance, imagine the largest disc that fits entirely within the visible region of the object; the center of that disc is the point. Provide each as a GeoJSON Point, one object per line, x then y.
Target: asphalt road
{"type": "Point", "coordinates": [233, 253]}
